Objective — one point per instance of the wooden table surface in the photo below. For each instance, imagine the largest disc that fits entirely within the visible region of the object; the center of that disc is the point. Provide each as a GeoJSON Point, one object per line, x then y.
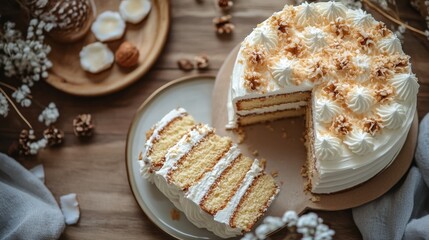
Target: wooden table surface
{"type": "Point", "coordinates": [95, 169]}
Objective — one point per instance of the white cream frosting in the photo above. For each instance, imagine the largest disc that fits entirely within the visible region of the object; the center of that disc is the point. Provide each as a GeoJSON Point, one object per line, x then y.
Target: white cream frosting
{"type": "Point", "coordinates": [348, 169]}
{"type": "Point", "coordinates": [266, 37]}
{"type": "Point", "coordinates": [307, 14]}
{"type": "Point", "coordinates": [363, 63]}
{"type": "Point", "coordinates": [360, 100]}
{"type": "Point", "coordinates": [326, 109]}
{"type": "Point", "coordinates": [333, 10]}
{"type": "Point", "coordinates": [158, 128]}
{"type": "Point", "coordinates": [315, 38]}
{"type": "Point", "coordinates": [406, 86]}
{"type": "Point", "coordinates": [392, 115]}
{"type": "Point", "coordinates": [360, 18]}
{"type": "Point", "coordinates": [390, 44]}
{"type": "Point", "coordinates": [360, 142]}
{"type": "Point", "coordinates": [327, 147]}
{"type": "Point", "coordinates": [282, 72]}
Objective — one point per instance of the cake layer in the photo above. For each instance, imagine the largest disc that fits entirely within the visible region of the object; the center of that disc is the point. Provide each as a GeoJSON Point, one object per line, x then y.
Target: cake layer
{"type": "Point", "coordinates": [205, 176]}
{"type": "Point", "coordinates": [272, 100]}
{"type": "Point", "coordinates": [270, 116]}
{"type": "Point", "coordinates": [221, 192]}
{"type": "Point", "coordinates": [199, 160]}
{"type": "Point", "coordinates": [175, 125]}
{"type": "Point", "coordinates": [261, 190]}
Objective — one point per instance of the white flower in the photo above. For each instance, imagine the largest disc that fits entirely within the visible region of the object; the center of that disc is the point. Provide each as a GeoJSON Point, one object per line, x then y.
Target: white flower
{"type": "Point", "coordinates": [21, 95]}
{"type": "Point", "coordinates": [49, 115]}
{"type": "Point", "coordinates": [36, 146]}
{"type": "Point", "coordinates": [290, 218]}
{"type": "Point", "coordinates": [4, 105]}
{"type": "Point", "coordinates": [249, 236]}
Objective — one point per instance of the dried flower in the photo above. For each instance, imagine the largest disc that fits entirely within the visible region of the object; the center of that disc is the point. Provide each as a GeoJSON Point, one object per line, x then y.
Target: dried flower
{"type": "Point", "coordinates": [202, 62]}
{"type": "Point", "coordinates": [49, 115]}
{"type": "Point", "coordinates": [83, 126]}
{"type": "Point", "coordinates": [21, 95]}
{"type": "Point", "coordinates": [185, 64]}
{"type": "Point", "coordinates": [4, 105]}
{"type": "Point", "coordinates": [26, 59]}
{"type": "Point", "coordinates": [223, 24]}
{"type": "Point", "coordinates": [54, 136]}
{"type": "Point", "coordinates": [309, 226]}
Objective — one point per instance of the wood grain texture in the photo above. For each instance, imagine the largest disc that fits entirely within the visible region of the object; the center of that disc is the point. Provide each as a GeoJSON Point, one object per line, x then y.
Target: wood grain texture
{"type": "Point", "coordinates": [95, 169]}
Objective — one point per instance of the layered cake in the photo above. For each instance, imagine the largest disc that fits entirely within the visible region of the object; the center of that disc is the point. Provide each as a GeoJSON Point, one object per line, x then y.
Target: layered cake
{"type": "Point", "coordinates": [205, 175]}
{"type": "Point", "coordinates": [344, 71]}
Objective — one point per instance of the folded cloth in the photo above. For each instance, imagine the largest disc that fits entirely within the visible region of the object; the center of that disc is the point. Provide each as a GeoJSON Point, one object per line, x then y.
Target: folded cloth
{"type": "Point", "coordinates": [403, 212]}
{"type": "Point", "coordinates": [27, 208]}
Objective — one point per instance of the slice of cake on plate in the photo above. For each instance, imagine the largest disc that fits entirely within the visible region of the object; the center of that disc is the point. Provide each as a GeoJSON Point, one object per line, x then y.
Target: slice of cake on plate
{"type": "Point", "coordinates": [205, 175]}
{"type": "Point", "coordinates": [343, 69]}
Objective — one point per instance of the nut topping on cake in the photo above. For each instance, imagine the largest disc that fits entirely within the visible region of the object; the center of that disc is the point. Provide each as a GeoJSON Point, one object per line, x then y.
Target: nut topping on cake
{"type": "Point", "coordinates": [383, 94]}
{"type": "Point", "coordinates": [256, 55]}
{"type": "Point", "coordinates": [254, 80]}
{"type": "Point", "coordinates": [340, 28]}
{"type": "Point", "coordinates": [371, 126]}
{"type": "Point", "coordinates": [341, 125]}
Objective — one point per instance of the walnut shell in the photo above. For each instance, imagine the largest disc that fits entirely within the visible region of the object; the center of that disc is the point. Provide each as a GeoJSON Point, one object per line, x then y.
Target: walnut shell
{"type": "Point", "coordinates": [127, 55]}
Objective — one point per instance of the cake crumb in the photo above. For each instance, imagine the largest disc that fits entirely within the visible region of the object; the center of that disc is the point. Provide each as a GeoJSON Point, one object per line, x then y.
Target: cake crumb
{"type": "Point", "coordinates": [241, 134]}
{"type": "Point", "coordinates": [315, 198]}
{"type": "Point", "coordinates": [255, 153]}
{"type": "Point", "coordinates": [175, 214]}
{"type": "Point", "coordinates": [284, 135]}
{"type": "Point", "coordinates": [263, 163]}
{"type": "Point", "coordinates": [140, 155]}
{"type": "Point", "coordinates": [269, 127]}
{"type": "Point", "coordinates": [274, 173]}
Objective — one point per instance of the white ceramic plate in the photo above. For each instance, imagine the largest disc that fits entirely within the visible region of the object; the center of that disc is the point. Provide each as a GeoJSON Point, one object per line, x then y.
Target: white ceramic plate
{"type": "Point", "coordinates": [195, 95]}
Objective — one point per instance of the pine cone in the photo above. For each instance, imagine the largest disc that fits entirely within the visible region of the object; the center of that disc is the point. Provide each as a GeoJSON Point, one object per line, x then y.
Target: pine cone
{"type": "Point", "coordinates": [54, 136]}
{"type": "Point", "coordinates": [24, 138]}
{"type": "Point", "coordinates": [83, 126]}
{"type": "Point", "coordinates": [225, 4]}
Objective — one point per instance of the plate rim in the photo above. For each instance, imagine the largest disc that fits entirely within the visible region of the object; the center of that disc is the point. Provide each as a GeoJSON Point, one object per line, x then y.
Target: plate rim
{"type": "Point", "coordinates": [160, 41]}
{"type": "Point", "coordinates": [132, 126]}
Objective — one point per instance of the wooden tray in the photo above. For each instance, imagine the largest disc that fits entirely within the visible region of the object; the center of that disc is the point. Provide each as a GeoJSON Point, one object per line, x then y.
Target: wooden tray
{"type": "Point", "coordinates": [287, 156]}
{"type": "Point", "coordinates": [149, 36]}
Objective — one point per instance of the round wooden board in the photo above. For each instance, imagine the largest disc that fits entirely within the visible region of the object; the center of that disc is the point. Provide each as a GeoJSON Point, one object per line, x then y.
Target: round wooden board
{"type": "Point", "coordinates": [287, 156]}
{"type": "Point", "coordinates": [149, 36]}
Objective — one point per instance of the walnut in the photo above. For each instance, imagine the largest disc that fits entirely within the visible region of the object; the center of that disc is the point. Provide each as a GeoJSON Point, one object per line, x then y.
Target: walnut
{"type": "Point", "coordinates": [254, 80]}
{"type": "Point", "coordinates": [282, 25]}
{"type": "Point", "coordinates": [225, 4]}
{"type": "Point", "coordinates": [365, 40]}
{"type": "Point", "coordinates": [256, 55]}
{"type": "Point", "coordinates": [343, 61]}
{"type": "Point", "coordinates": [202, 62]}
{"type": "Point", "coordinates": [398, 62]}
{"type": "Point", "coordinates": [341, 125]}
{"type": "Point", "coordinates": [381, 29]}
{"type": "Point", "coordinates": [333, 91]}
{"type": "Point", "coordinates": [383, 93]}
{"type": "Point", "coordinates": [382, 68]}
{"type": "Point", "coordinates": [127, 55]}
{"type": "Point", "coordinates": [317, 70]}
{"type": "Point", "coordinates": [340, 28]}
{"type": "Point", "coordinates": [295, 47]}
{"type": "Point", "coordinates": [185, 64]}
{"type": "Point", "coordinates": [223, 24]}
{"type": "Point", "coordinates": [371, 126]}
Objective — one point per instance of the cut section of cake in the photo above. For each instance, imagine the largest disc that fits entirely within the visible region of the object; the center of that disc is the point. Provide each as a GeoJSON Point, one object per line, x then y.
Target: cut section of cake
{"type": "Point", "coordinates": [342, 69]}
{"type": "Point", "coordinates": [205, 175]}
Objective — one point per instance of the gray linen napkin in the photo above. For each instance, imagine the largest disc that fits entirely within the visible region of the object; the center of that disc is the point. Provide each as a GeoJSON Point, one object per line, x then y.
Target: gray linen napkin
{"type": "Point", "coordinates": [403, 212]}
{"type": "Point", "coordinates": [27, 208]}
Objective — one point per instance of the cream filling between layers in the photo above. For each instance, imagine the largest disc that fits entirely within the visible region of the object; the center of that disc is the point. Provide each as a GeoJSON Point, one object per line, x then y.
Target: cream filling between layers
{"type": "Point", "coordinates": [225, 214]}
{"type": "Point", "coordinates": [159, 127]}
{"type": "Point", "coordinates": [188, 202]}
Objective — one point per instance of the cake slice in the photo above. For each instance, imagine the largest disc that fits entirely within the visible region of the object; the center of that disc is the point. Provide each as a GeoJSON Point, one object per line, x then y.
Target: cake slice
{"type": "Point", "coordinates": [205, 175]}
